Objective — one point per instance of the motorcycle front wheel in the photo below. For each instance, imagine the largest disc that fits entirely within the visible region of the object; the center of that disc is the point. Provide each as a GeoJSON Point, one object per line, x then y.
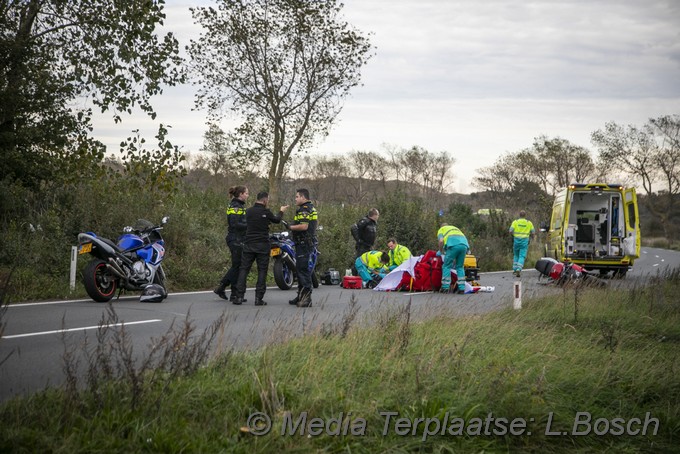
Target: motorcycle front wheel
{"type": "Point", "coordinates": [283, 275]}
{"type": "Point", "coordinates": [99, 284]}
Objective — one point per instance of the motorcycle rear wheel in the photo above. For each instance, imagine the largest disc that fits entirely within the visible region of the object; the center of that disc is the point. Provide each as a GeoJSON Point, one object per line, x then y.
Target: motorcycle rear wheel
{"type": "Point", "coordinates": [99, 284]}
{"type": "Point", "coordinates": [283, 276]}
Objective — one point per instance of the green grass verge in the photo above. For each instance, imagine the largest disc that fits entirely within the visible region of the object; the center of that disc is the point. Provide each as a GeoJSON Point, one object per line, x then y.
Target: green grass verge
{"type": "Point", "coordinates": [611, 354]}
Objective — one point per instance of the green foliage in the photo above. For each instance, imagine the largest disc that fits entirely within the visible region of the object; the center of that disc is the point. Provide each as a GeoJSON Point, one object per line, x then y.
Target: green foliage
{"type": "Point", "coordinates": [619, 360]}
{"type": "Point", "coordinates": [408, 219]}
{"type": "Point", "coordinates": [53, 53]}
{"type": "Point", "coordinates": [288, 95]}
{"type": "Point", "coordinates": [39, 227]}
{"type": "Point", "coordinates": [153, 170]}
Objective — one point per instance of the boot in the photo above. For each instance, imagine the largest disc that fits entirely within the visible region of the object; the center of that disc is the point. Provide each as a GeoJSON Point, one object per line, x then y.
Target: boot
{"type": "Point", "coordinates": [232, 297]}
{"type": "Point", "coordinates": [260, 302]}
{"type": "Point", "coordinates": [305, 298]}
{"type": "Point", "coordinates": [295, 300]}
{"type": "Point", "coordinates": [219, 291]}
{"type": "Point", "coordinates": [238, 301]}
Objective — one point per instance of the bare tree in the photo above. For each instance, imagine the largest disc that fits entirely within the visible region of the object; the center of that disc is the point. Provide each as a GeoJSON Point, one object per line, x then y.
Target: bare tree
{"type": "Point", "coordinates": [365, 170]}
{"type": "Point", "coordinates": [283, 66]}
{"type": "Point", "coordinates": [216, 146]}
{"type": "Point", "coordinates": [550, 163]}
{"type": "Point", "coordinates": [630, 150]}
{"type": "Point", "coordinates": [651, 154]}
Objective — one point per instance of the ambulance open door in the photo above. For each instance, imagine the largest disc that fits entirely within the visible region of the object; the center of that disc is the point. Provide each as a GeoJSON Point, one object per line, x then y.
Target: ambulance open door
{"type": "Point", "coordinates": [631, 243]}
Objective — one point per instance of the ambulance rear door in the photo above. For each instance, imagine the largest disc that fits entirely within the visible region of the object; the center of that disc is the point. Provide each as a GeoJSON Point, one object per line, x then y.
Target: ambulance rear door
{"type": "Point", "coordinates": [632, 240]}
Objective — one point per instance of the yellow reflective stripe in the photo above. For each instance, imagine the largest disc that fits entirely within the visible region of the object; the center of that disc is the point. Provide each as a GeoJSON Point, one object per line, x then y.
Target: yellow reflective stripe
{"type": "Point", "coordinates": [238, 211]}
{"type": "Point", "coordinates": [306, 216]}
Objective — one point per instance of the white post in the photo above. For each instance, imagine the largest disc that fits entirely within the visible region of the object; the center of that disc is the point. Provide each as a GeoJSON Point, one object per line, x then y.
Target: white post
{"type": "Point", "coordinates": [518, 295]}
{"type": "Point", "coordinates": [74, 261]}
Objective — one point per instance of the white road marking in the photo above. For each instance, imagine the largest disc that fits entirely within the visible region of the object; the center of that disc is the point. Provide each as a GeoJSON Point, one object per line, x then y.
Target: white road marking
{"type": "Point", "coordinates": [14, 336]}
{"type": "Point", "coordinates": [656, 264]}
{"type": "Point", "coordinates": [122, 298]}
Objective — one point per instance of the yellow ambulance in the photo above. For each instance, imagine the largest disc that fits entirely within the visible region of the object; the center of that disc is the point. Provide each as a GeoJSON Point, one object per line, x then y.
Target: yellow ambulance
{"type": "Point", "coordinates": [595, 226]}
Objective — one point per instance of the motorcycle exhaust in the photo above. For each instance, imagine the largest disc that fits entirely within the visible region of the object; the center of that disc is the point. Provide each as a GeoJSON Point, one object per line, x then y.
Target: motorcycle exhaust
{"type": "Point", "coordinates": [288, 260]}
{"type": "Point", "coordinates": [114, 268]}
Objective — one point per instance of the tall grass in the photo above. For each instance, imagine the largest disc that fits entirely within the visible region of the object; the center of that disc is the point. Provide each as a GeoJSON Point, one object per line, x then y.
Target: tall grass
{"type": "Point", "coordinates": [618, 358]}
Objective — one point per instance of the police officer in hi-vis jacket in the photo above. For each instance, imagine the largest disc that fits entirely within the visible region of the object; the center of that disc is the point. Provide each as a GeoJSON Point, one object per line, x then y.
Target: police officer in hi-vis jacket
{"type": "Point", "coordinates": [236, 233]}
{"type": "Point", "coordinates": [304, 235]}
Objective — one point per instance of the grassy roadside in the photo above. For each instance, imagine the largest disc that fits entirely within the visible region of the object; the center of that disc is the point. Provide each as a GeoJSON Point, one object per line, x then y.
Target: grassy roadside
{"type": "Point", "coordinates": [609, 353]}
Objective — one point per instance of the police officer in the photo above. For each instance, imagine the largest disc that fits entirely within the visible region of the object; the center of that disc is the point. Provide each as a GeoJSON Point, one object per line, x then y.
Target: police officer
{"type": "Point", "coordinates": [453, 245]}
{"type": "Point", "coordinates": [256, 247]}
{"type": "Point", "coordinates": [236, 233]}
{"type": "Point", "coordinates": [304, 235]}
{"type": "Point", "coordinates": [521, 230]}
{"type": "Point", "coordinates": [364, 233]}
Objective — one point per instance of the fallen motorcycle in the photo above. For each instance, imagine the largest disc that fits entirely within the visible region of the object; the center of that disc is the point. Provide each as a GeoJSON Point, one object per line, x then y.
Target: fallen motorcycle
{"type": "Point", "coordinates": [131, 263]}
{"type": "Point", "coordinates": [563, 273]}
{"type": "Point", "coordinates": [285, 265]}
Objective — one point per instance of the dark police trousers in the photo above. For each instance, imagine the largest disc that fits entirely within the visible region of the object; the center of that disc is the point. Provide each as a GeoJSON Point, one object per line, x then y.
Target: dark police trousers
{"type": "Point", "coordinates": [254, 252]}
{"type": "Point", "coordinates": [303, 255]}
{"type": "Point", "coordinates": [231, 277]}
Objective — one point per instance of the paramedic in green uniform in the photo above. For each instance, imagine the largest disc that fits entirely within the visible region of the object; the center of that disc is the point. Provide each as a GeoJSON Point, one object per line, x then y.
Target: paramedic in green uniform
{"type": "Point", "coordinates": [453, 246]}
{"type": "Point", "coordinates": [398, 253]}
{"type": "Point", "coordinates": [371, 267]}
{"type": "Point", "coordinates": [521, 230]}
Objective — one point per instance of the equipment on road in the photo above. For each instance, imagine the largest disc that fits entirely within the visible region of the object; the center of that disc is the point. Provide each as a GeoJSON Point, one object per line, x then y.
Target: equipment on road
{"type": "Point", "coordinates": [331, 277]}
{"type": "Point", "coordinates": [352, 282]}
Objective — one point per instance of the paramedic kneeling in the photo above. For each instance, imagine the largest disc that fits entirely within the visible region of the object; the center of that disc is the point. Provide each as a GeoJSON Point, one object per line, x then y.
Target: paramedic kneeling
{"type": "Point", "coordinates": [371, 267]}
{"type": "Point", "coordinates": [453, 246]}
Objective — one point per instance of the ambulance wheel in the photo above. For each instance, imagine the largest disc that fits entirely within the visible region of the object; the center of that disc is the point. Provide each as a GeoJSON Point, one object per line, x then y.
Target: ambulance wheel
{"type": "Point", "coordinates": [620, 273]}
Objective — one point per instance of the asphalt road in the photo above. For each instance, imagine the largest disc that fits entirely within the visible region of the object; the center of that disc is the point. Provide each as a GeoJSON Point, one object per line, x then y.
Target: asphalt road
{"type": "Point", "coordinates": [37, 334]}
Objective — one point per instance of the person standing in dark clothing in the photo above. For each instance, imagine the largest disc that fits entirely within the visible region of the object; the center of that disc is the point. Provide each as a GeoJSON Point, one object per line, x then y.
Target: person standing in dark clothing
{"type": "Point", "coordinates": [256, 247]}
{"type": "Point", "coordinates": [364, 233]}
{"type": "Point", "coordinates": [304, 235]}
{"type": "Point", "coordinates": [236, 219]}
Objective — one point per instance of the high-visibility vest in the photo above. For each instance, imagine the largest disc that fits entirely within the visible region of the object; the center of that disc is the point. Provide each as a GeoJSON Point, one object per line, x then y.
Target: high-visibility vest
{"type": "Point", "coordinates": [521, 228]}
{"type": "Point", "coordinates": [448, 230]}
{"type": "Point", "coordinates": [372, 260]}
{"type": "Point", "coordinates": [399, 255]}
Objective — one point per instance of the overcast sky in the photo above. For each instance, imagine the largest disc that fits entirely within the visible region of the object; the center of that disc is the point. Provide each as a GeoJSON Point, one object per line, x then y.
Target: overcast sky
{"type": "Point", "coordinates": [477, 78]}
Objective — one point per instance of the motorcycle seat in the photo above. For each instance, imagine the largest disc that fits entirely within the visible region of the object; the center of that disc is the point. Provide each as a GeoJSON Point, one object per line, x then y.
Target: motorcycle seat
{"type": "Point", "coordinates": [111, 243]}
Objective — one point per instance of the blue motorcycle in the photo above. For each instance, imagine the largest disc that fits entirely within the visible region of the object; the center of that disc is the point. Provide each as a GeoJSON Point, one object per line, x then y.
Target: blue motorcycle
{"type": "Point", "coordinates": [285, 266]}
{"type": "Point", "coordinates": [132, 263]}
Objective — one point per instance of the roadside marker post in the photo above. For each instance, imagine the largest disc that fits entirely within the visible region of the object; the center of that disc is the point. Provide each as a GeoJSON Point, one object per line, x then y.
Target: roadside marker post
{"type": "Point", "coordinates": [517, 290]}
{"type": "Point", "coordinates": [74, 261]}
